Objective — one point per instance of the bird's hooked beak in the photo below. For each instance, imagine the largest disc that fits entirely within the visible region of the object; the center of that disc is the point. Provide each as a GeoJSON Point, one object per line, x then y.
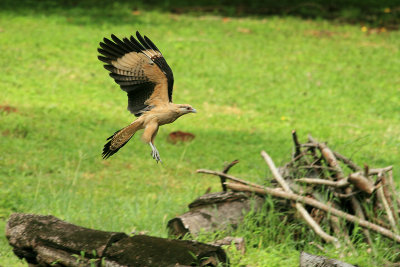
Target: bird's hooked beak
{"type": "Point", "coordinates": [193, 110]}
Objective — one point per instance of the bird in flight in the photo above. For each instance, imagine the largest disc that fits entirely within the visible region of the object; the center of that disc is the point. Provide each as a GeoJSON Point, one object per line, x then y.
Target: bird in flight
{"type": "Point", "coordinates": [142, 72]}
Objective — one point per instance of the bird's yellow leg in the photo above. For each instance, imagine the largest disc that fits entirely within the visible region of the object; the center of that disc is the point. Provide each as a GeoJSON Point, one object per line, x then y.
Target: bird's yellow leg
{"type": "Point", "coordinates": [154, 153]}
{"type": "Point", "coordinates": [149, 135]}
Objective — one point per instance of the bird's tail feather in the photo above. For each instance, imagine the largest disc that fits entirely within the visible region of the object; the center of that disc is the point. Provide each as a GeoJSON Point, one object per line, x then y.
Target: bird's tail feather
{"type": "Point", "coordinates": [119, 139]}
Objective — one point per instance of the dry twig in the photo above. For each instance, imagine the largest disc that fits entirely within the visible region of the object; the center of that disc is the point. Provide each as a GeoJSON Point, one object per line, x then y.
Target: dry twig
{"type": "Point", "coordinates": [383, 200]}
{"type": "Point", "coordinates": [225, 170]}
{"type": "Point", "coordinates": [300, 208]}
{"type": "Point", "coordinates": [317, 181]}
{"type": "Point", "coordinates": [314, 203]}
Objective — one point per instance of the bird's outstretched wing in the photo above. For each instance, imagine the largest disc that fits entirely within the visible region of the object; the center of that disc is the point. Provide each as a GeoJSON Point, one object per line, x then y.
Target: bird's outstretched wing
{"type": "Point", "coordinates": [140, 69]}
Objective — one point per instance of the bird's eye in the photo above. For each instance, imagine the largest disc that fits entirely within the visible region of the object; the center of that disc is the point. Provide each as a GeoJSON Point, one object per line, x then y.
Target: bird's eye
{"type": "Point", "coordinates": [188, 108]}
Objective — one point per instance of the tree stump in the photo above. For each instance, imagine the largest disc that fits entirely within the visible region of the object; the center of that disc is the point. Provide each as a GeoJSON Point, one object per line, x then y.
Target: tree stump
{"type": "Point", "coordinates": [214, 211]}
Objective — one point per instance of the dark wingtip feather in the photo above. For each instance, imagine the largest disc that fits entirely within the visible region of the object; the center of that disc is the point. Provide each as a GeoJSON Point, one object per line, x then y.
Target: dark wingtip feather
{"type": "Point", "coordinates": [109, 68]}
{"type": "Point", "coordinates": [104, 59]}
{"type": "Point", "coordinates": [142, 41]}
{"type": "Point", "coordinates": [115, 38]}
{"type": "Point", "coordinates": [107, 54]}
{"type": "Point", "coordinates": [135, 42]}
{"type": "Point", "coordinates": [152, 45]}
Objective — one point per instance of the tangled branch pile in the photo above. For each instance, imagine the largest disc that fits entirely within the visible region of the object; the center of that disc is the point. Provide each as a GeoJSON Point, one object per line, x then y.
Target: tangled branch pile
{"type": "Point", "coordinates": [319, 181]}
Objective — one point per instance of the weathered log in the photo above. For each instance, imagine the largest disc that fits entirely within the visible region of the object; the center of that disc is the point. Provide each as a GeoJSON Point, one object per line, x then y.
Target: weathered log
{"type": "Point", "coordinates": [214, 211]}
{"type": "Point", "coordinates": [47, 240]}
{"type": "Point", "coordinates": [309, 260]}
{"type": "Point", "coordinates": [30, 235]}
{"type": "Point", "coordinates": [142, 250]}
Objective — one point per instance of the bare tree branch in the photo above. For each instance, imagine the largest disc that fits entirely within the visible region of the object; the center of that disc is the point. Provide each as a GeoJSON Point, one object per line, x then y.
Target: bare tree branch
{"type": "Point", "coordinates": [300, 208]}
{"type": "Point", "coordinates": [339, 184]}
{"type": "Point", "coordinates": [314, 203]}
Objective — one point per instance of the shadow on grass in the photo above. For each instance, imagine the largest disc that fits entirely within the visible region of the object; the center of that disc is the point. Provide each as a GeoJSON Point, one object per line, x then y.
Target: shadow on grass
{"type": "Point", "coordinates": [384, 13]}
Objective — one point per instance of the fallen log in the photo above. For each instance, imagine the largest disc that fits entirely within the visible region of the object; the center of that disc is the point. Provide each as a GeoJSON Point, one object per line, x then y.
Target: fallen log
{"type": "Point", "coordinates": [214, 211]}
{"type": "Point", "coordinates": [47, 240]}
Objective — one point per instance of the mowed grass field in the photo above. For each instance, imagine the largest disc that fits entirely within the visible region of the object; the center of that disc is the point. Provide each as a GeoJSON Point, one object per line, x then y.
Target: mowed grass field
{"type": "Point", "coordinates": [252, 80]}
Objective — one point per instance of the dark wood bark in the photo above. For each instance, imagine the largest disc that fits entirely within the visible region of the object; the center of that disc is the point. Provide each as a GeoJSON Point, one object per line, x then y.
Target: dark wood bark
{"type": "Point", "coordinates": [142, 250]}
{"type": "Point", "coordinates": [214, 211]}
{"type": "Point", "coordinates": [47, 240]}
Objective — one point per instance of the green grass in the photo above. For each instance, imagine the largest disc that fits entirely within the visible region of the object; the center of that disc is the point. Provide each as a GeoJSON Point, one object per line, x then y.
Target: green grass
{"type": "Point", "coordinates": [252, 80]}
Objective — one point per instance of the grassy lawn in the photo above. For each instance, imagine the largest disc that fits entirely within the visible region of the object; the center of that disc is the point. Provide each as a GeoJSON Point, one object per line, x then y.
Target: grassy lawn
{"type": "Point", "coordinates": [252, 80]}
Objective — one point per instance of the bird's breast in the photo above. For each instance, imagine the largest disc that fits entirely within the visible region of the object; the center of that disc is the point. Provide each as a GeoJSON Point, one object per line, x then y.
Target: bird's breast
{"type": "Point", "coordinates": [167, 117]}
{"type": "Point", "coordinates": [161, 116]}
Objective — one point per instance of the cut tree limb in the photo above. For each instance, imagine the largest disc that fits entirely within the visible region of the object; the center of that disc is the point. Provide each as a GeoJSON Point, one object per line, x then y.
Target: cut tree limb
{"type": "Point", "coordinates": [296, 142]}
{"type": "Point", "coordinates": [361, 182]}
{"type": "Point", "coordinates": [339, 184]}
{"type": "Point", "coordinates": [227, 176]}
{"type": "Point", "coordinates": [381, 196]}
{"type": "Point", "coordinates": [225, 170]}
{"type": "Point", "coordinates": [300, 208]}
{"type": "Point", "coordinates": [330, 158]}
{"type": "Point", "coordinates": [314, 203]}
{"type": "Point", "coordinates": [354, 167]}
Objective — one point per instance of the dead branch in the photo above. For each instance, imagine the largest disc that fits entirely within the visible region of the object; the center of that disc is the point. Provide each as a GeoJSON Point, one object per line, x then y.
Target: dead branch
{"type": "Point", "coordinates": [379, 170]}
{"type": "Point", "coordinates": [340, 195]}
{"type": "Point", "coordinates": [227, 176]}
{"type": "Point", "coordinates": [329, 182]}
{"type": "Point", "coordinates": [361, 182]}
{"type": "Point", "coordinates": [296, 142]}
{"type": "Point", "coordinates": [338, 184]}
{"type": "Point", "coordinates": [296, 158]}
{"type": "Point", "coordinates": [275, 172]}
{"type": "Point", "coordinates": [392, 192]}
{"type": "Point", "coordinates": [318, 167]}
{"type": "Point", "coordinates": [332, 162]}
{"type": "Point", "coordinates": [314, 203]}
{"type": "Point", "coordinates": [329, 157]}
{"type": "Point", "coordinates": [339, 230]}
{"type": "Point", "coordinates": [359, 213]}
{"type": "Point", "coordinates": [354, 167]}
{"type": "Point", "coordinates": [300, 208]}
{"type": "Point", "coordinates": [225, 170]}
{"type": "Point", "coordinates": [381, 196]}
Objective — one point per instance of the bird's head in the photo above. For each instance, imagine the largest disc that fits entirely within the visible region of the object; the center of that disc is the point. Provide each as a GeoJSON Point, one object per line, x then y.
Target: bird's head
{"type": "Point", "coordinates": [185, 109]}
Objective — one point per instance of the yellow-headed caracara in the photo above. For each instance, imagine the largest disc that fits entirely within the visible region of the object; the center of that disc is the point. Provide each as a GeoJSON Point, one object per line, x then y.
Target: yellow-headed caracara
{"type": "Point", "coordinates": [141, 70]}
